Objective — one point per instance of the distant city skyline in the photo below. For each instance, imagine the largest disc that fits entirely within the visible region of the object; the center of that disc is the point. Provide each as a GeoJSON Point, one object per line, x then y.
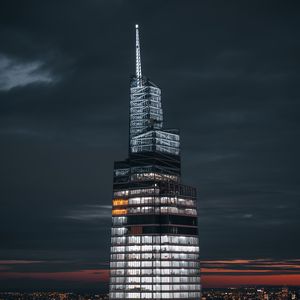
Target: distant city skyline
{"type": "Point", "coordinates": [229, 75]}
{"type": "Point", "coordinates": [262, 293]}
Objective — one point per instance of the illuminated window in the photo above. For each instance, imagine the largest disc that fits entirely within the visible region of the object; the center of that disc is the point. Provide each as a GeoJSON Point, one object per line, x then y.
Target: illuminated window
{"type": "Point", "coordinates": [118, 240]}
{"type": "Point", "coordinates": [119, 221]}
{"type": "Point", "coordinates": [119, 212]}
{"type": "Point", "coordinates": [133, 248]}
{"type": "Point", "coordinates": [147, 264]}
{"type": "Point", "coordinates": [130, 279]}
{"type": "Point", "coordinates": [147, 239]}
{"type": "Point", "coordinates": [115, 272]}
{"type": "Point", "coordinates": [118, 231]}
{"type": "Point", "coordinates": [121, 193]}
{"type": "Point", "coordinates": [118, 202]}
{"type": "Point", "coordinates": [146, 248]}
{"type": "Point", "coordinates": [132, 295]}
{"type": "Point", "coordinates": [146, 271]}
{"type": "Point", "coordinates": [133, 256]}
{"type": "Point", "coordinates": [117, 279]}
{"type": "Point", "coordinates": [146, 295]}
{"type": "Point", "coordinates": [117, 265]}
{"type": "Point", "coordinates": [134, 240]}
{"type": "Point", "coordinates": [117, 249]}
{"type": "Point", "coordinates": [134, 264]}
{"type": "Point", "coordinates": [133, 272]}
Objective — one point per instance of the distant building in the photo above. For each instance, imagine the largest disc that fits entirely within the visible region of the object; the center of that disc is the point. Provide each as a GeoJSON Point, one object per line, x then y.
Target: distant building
{"type": "Point", "coordinates": [154, 235]}
{"type": "Point", "coordinates": [285, 293]}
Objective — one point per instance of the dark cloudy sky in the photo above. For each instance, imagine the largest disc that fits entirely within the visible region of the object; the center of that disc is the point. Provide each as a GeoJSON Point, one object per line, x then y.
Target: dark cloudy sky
{"type": "Point", "coordinates": [229, 73]}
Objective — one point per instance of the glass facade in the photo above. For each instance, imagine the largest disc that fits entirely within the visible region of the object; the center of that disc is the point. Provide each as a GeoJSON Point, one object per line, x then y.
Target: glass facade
{"type": "Point", "coordinates": [154, 234]}
{"type": "Point", "coordinates": [156, 140]}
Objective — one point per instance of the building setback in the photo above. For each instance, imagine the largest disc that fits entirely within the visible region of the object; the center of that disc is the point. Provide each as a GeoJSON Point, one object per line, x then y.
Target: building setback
{"type": "Point", "coordinates": [154, 235]}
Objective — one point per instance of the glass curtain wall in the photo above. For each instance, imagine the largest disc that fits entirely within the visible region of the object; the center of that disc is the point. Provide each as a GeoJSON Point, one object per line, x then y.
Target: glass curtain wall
{"type": "Point", "coordinates": [154, 234]}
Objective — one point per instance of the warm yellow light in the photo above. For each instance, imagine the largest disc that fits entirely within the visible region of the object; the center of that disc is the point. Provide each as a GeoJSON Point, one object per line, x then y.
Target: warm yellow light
{"type": "Point", "coordinates": [119, 212]}
{"type": "Point", "coordinates": [117, 202]}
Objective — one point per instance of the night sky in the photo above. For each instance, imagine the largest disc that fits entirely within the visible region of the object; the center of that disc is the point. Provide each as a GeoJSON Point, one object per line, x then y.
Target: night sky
{"type": "Point", "coordinates": [229, 74]}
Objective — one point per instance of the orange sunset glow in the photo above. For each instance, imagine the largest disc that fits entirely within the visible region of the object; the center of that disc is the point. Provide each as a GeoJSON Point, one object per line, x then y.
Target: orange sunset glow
{"type": "Point", "coordinates": [215, 273]}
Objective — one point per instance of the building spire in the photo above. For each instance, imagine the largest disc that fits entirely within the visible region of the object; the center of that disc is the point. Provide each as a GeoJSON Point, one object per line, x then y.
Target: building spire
{"type": "Point", "coordinates": [138, 63]}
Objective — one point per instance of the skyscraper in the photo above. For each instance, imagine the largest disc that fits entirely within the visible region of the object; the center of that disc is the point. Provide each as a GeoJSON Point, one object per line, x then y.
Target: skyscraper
{"type": "Point", "coordinates": [154, 235]}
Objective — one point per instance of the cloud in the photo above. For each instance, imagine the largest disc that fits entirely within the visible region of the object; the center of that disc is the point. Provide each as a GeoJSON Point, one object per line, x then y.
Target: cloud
{"type": "Point", "coordinates": [237, 272]}
{"type": "Point", "coordinates": [99, 275]}
{"type": "Point", "coordinates": [14, 73]}
{"type": "Point", "coordinates": [247, 216]}
{"type": "Point", "coordinates": [19, 262]}
{"type": "Point", "coordinates": [90, 213]}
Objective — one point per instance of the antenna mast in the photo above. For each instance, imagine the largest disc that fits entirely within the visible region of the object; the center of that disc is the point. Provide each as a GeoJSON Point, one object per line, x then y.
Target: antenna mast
{"type": "Point", "coordinates": [138, 63]}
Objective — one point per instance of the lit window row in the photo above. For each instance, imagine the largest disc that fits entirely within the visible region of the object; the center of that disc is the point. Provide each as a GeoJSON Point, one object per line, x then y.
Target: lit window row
{"type": "Point", "coordinates": [180, 256]}
{"type": "Point", "coordinates": [157, 295]}
{"type": "Point", "coordinates": [155, 280]}
{"type": "Point", "coordinates": [124, 193]}
{"type": "Point", "coordinates": [142, 140]}
{"type": "Point", "coordinates": [143, 200]}
{"type": "Point", "coordinates": [147, 148]}
{"type": "Point", "coordinates": [158, 248]}
{"type": "Point", "coordinates": [156, 287]}
{"type": "Point", "coordinates": [175, 210]}
{"type": "Point", "coordinates": [176, 240]}
{"type": "Point", "coordinates": [150, 272]}
{"type": "Point", "coordinates": [152, 176]}
{"type": "Point", "coordinates": [142, 169]}
{"type": "Point", "coordinates": [154, 264]}
{"type": "Point", "coordinates": [150, 256]}
{"type": "Point", "coordinates": [161, 210]}
{"type": "Point", "coordinates": [155, 136]}
{"type": "Point", "coordinates": [167, 135]}
{"type": "Point", "coordinates": [161, 200]}
{"type": "Point", "coordinates": [186, 202]}
{"type": "Point", "coordinates": [160, 148]}
{"type": "Point", "coordinates": [158, 271]}
{"type": "Point", "coordinates": [167, 149]}
{"type": "Point", "coordinates": [145, 191]}
{"type": "Point", "coordinates": [183, 240]}
{"type": "Point", "coordinates": [142, 210]}
{"type": "Point", "coordinates": [167, 142]}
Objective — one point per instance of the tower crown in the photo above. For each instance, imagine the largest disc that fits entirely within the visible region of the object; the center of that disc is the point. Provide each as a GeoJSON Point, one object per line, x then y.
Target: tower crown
{"type": "Point", "coordinates": [146, 114]}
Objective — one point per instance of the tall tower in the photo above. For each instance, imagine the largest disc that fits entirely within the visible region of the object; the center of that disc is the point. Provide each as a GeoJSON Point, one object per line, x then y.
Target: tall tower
{"type": "Point", "coordinates": [154, 235]}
